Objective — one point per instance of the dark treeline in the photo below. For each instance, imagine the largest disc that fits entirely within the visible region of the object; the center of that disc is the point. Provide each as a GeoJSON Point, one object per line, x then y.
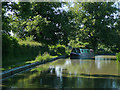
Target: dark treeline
{"type": "Point", "coordinates": [13, 52]}
{"type": "Point", "coordinates": [16, 53]}
{"type": "Point", "coordinates": [95, 24]}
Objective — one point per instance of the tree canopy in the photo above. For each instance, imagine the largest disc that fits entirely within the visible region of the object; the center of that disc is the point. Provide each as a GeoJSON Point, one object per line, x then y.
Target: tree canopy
{"type": "Point", "coordinates": [49, 23]}
{"type": "Point", "coordinates": [98, 23]}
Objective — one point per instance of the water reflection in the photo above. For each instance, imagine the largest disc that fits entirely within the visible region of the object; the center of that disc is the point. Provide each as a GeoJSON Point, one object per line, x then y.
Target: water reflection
{"type": "Point", "coordinates": [105, 57]}
{"type": "Point", "coordinates": [98, 73]}
{"type": "Point", "coordinates": [58, 71]}
{"type": "Point", "coordinates": [51, 81]}
{"type": "Point", "coordinates": [67, 62]}
{"type": "Point", "coordinates": [86, 67]}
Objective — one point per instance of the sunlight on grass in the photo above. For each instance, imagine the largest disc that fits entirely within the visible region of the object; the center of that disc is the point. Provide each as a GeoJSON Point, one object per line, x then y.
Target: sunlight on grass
{"type": "Point", "coordinates": [32, 43]}
{"type": "Point", "coordinates": [43, 57]}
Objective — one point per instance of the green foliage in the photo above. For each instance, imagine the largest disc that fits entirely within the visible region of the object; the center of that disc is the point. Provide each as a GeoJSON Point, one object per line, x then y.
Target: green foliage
{"type": "Point", "coordinates": [103, 49]}
{"type": "Point", "coordinates": [5, 19]}
{"type": "Point", "coordinates": [29, 38]}
{"type": "Point", "coordinates": [25, 9]}
{"type": "Point", "coordinates": [14, 53]}
{"type": "Point", "coordinates": [118, 56]}
{"type": "Point", "coordinates": [8, 42]}
{"type": "Point", "coordinates": [31, 43]}
{"type": "Point", "coordinates": [37, 27]}
{"type": "Point", "coordinates": [76, 43]}
{"type": "Point", "coordinates": [17, 52]}
{"type": "Point", "coordinates": [58, 50]}
{"type": "Point", "coordinates": [43, 57]}
{"type": "Point", "coordinates": [97, 23]}
{"type": "Point", "coordinates": [42, 20]}
{"type": "Point", "coordinates": [86, 23]}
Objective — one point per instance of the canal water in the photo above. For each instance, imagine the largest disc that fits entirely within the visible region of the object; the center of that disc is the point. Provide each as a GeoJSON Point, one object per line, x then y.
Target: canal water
{"type": "Point", "coordinates": [101, 72]}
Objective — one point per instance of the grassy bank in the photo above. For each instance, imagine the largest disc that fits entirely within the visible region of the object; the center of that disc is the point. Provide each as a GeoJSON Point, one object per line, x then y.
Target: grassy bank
{"type": "Point", "coordinates": [16, 52]}
{"type": "Point", "coordinates": [19, 55]}
{"type": "Point", "coordinates": [43, 57]}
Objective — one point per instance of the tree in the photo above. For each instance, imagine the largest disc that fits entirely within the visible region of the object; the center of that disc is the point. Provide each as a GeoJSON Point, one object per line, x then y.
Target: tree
{"type": "Point", "coordinates": [5, 18]}
{"type": "Point", "coordinates": [97, 22]}
{"type": "Point", "coordinates": [34, 21]}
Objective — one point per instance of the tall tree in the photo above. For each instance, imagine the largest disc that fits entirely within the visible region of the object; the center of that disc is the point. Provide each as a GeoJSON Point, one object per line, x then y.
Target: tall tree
{"type": "Point", "coordinates": [97, 22]}
{"type": "Point", "coordinates": [29, 21]}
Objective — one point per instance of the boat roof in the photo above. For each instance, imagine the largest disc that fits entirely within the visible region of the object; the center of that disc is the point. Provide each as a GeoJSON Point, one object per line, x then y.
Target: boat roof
{"type": "Point", "coordinates": [82, 48]}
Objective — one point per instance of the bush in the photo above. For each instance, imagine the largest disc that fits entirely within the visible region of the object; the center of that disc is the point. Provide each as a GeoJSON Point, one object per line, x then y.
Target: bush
{"type": "Point", "coordinates": [58, 50]}
{"type": "Point", "coordinates": [118, 56]}
{"type": "Point", "coordinates": [43, 57]}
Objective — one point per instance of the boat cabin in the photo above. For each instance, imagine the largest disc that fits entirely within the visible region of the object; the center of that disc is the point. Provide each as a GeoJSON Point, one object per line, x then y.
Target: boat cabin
{"type": "Point", "coordinates": [79, 50]}
{"type": "Point", "coordinates": [81, 53]}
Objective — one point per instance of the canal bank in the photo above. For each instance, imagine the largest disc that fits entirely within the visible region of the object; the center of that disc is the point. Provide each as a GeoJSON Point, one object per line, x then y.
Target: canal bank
{"type": "Point", "coordinates": [13, 71]}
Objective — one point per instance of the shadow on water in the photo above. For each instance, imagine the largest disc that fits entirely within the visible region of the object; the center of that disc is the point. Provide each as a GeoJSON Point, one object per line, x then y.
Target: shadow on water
{"type": "Point", "coordinates": [70, 73]}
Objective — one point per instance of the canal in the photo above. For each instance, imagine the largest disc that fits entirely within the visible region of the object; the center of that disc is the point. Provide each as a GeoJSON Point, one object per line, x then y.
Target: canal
{"type": "Point", "coordinates": [101, 72]}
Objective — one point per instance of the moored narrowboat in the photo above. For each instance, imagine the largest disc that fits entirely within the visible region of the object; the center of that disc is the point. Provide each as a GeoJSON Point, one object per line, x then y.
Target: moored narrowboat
{"type": "Point", "coordinates": [79, 53]}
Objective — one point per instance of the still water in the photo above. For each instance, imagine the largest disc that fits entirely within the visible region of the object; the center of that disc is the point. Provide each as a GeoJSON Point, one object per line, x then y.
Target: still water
{"type": "Point", "coordinates": [102, 72]}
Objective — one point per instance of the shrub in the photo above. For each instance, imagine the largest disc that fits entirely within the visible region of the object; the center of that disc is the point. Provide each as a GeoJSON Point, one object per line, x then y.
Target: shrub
{"type": "Point", "coordinates": [38, 58]}
{"type": "Point", "coordinates": [57, 50]}
{"type": "Point", "coordinates": [43, 57]}
{"type": "Point", "coordinates": [118, 56]}
{"type": "Point", "coordinates": [46, 56]}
